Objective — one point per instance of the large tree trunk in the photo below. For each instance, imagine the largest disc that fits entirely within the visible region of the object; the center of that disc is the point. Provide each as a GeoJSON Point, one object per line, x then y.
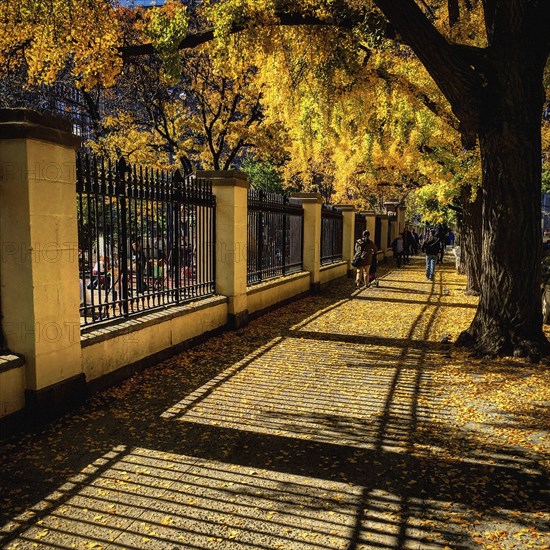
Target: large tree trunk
{"type": "Point", "coordinates": [496, 93]}
{"type": "Point", "coordinates": [471, 239]}
{"type": "Point", "coordinates": [508, 320]}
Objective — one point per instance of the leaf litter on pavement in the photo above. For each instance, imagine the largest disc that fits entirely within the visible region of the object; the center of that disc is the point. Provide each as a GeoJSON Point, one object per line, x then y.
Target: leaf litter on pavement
{"type": "Point", "coordinates": [343, 420]}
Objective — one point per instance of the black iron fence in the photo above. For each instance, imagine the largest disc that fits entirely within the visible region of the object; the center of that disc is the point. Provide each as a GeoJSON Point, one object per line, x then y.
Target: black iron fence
{"type": "Point", "coordinates": [360, 226]}
{"type": "Point", "coordinates": [332, 227]}
{"type": "Point", "coordinates": [275, 236]}
{"type": "Point", "coordinates": [146, 238]}
{"type": "Point", "coordinates": [61, 99]}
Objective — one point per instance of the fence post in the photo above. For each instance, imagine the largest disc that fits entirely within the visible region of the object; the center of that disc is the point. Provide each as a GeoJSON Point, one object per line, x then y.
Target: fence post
{"type": "Point", "coordinates": [392, 232]}
{"type": "Point", "coordinates": [394, 229]}
{"type": "Point", "coordinates": [286, 201]}
{"type": "Point", "coordinates": [370, 219]}
{"type": "Point", "coordinates": [401, 218]}
{"type": "Point", "coordinates": [312, 236]}
{"type": "Point", "coordinates": [121, 170]}
{"type": "Point", "coordinates": [348, 241]}
{"type": "Point", "coordinates": [39, 258]}
{"type": "Point", "coordinates": [384, 220]}
{"type": "Point", "coordinates": [230, 188]}
{"type": "Point", "coordinates": [260, 237]}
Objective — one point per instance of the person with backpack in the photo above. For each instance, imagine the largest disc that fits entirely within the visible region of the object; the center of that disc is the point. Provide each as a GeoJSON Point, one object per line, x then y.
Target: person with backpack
{"type": "Point", "coordinates": [365, 249]}
{"type": "Point", "coordinates": [431, 247]}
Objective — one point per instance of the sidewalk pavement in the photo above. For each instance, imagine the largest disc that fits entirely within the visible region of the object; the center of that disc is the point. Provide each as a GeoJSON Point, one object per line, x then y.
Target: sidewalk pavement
{"type": "Point", "coordinates": [341, 421]}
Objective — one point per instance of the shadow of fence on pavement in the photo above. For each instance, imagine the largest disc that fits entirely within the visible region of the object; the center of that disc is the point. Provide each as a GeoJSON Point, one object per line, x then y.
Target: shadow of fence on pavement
{"type": "Point", "coordinates": [286, 436]}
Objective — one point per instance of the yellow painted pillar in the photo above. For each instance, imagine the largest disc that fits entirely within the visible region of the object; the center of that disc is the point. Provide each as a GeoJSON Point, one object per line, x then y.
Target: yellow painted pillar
{"type": "Point", "coordinates": [230, 188]}
{"type": "Point", "coordinates": [348, 237]}
{"type": "Point", "coordinates": [401, 218]}
{"type": "Point", "coordinates": [39, 257]}
{"type": "Point", "coordinates": [312, 236]}
{"type": "Point", "coordinates": [370, 216]}
{"type": "Point", "coordinates": [394, 229]}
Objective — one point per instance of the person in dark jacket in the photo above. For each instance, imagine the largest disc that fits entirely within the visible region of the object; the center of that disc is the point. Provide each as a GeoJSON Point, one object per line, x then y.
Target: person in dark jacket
{"type": "Point", "coordinates": [431, 247]}
{"type": "Point", "coordinates": [416, 242]}
{"type": "Point", "coordinates": [365, 249]}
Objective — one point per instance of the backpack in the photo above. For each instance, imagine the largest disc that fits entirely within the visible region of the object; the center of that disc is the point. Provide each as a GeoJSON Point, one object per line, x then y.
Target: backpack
{"type": "Point", "coordinates": [360, 254]}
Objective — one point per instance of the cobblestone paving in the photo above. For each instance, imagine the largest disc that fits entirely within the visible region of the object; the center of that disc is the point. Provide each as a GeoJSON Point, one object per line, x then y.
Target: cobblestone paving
{"type": "Point", "coordinates": [324, 424]}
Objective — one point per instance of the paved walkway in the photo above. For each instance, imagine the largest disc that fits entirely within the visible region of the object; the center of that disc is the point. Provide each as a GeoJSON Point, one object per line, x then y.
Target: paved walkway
{"type": "Point", "coordinates": [328, 423]}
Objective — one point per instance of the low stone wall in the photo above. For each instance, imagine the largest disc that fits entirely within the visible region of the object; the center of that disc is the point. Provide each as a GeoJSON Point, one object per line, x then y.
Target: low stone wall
{"type": "Point", "coordinates": [113, 352]}
{"type": "Point", "coordinates": [147, 339]}
{"type": "Point", "coordinates": [266, 295]}
{"type": "Point", "coordinates": [330, 272]}
{"type": "Point", "coordinates": [12, 390]}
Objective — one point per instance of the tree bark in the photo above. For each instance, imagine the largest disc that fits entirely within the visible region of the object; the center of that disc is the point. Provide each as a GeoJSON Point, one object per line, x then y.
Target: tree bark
{"type": "Point", "coordinates": [471, 240]}
{"type": "Point", "coordinates": [508, 320]}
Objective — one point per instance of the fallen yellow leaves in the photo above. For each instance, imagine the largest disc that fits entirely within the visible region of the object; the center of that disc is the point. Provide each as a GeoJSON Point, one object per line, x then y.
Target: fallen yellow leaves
{"type": "Point", "coordinates": [495, 535]}
{"type": "Point", "coordinates": [382, 430]}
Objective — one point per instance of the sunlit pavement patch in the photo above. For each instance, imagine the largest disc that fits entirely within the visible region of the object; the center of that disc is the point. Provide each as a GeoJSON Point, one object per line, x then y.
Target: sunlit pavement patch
{"type": "Point", "coordinates": [139, 498]}
{"type": "Point", "coordinates": [143, 498]}
{"type": "Point", "coordinates": [343, 394]}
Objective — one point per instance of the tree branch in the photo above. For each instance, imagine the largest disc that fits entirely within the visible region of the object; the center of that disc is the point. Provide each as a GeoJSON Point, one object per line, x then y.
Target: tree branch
{"type": "Point", "coordinates": [419, 95]}
{"type": "Point", "coordinates": [453, 11]}
{"type": "Point", "coordinates": [454, 76]}
{"type": "Point", "coordinates": [291, 19]}
{"type": "Point", "coordinates": [489, 8]}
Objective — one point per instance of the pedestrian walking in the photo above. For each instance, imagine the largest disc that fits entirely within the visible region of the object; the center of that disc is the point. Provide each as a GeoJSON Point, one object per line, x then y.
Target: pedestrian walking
{"type": "Point", "coordinates": [431, 248]}
{"type": "Point", "coordinates": [397, 247]}
{"type": "Point", "coordinates": [451, 238]}
{"type": "Point", "coordinates": [441, 251]}
{"type": "Point", "coordinates": [365, 249]}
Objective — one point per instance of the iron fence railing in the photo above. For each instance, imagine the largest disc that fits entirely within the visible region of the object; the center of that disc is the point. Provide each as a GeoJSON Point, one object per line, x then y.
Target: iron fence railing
{"type": "Point", "coordinates": [360, 226]}
{"type": "Point", "coordinates": [63, 100]}
{"type": "Point", "coordinates": [275, 236]}
{"type": "Point", "coordinates": [332, 226]}
{"type": "Point", "coordinates": [146, 238]}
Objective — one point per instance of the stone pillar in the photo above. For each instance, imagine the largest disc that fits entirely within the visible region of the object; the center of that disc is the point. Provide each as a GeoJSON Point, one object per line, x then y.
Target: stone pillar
{"type": "Point", "coordinates": [392, 221]}
{"type": "Point", "coordinates": [384, 220]}
{"type": "Point", "coordinates": [39, 257]}
{"type": "Point", "coordinates": [312, 236]}
{"type": "Point", "coordinates": [394, 229]}
{"type": "Point", "coordinates": [348, 245]}
{"type": "Point", "coordinates": [370, 216]}
{"type": "Point", "coordinates": [230, 188]}
{"type": "Point", "coordinates": [401, 218]}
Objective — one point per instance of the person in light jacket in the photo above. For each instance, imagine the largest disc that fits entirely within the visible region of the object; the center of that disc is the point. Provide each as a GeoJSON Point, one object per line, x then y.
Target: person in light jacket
{"type": "Point", "coordinates": [397, 247]}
